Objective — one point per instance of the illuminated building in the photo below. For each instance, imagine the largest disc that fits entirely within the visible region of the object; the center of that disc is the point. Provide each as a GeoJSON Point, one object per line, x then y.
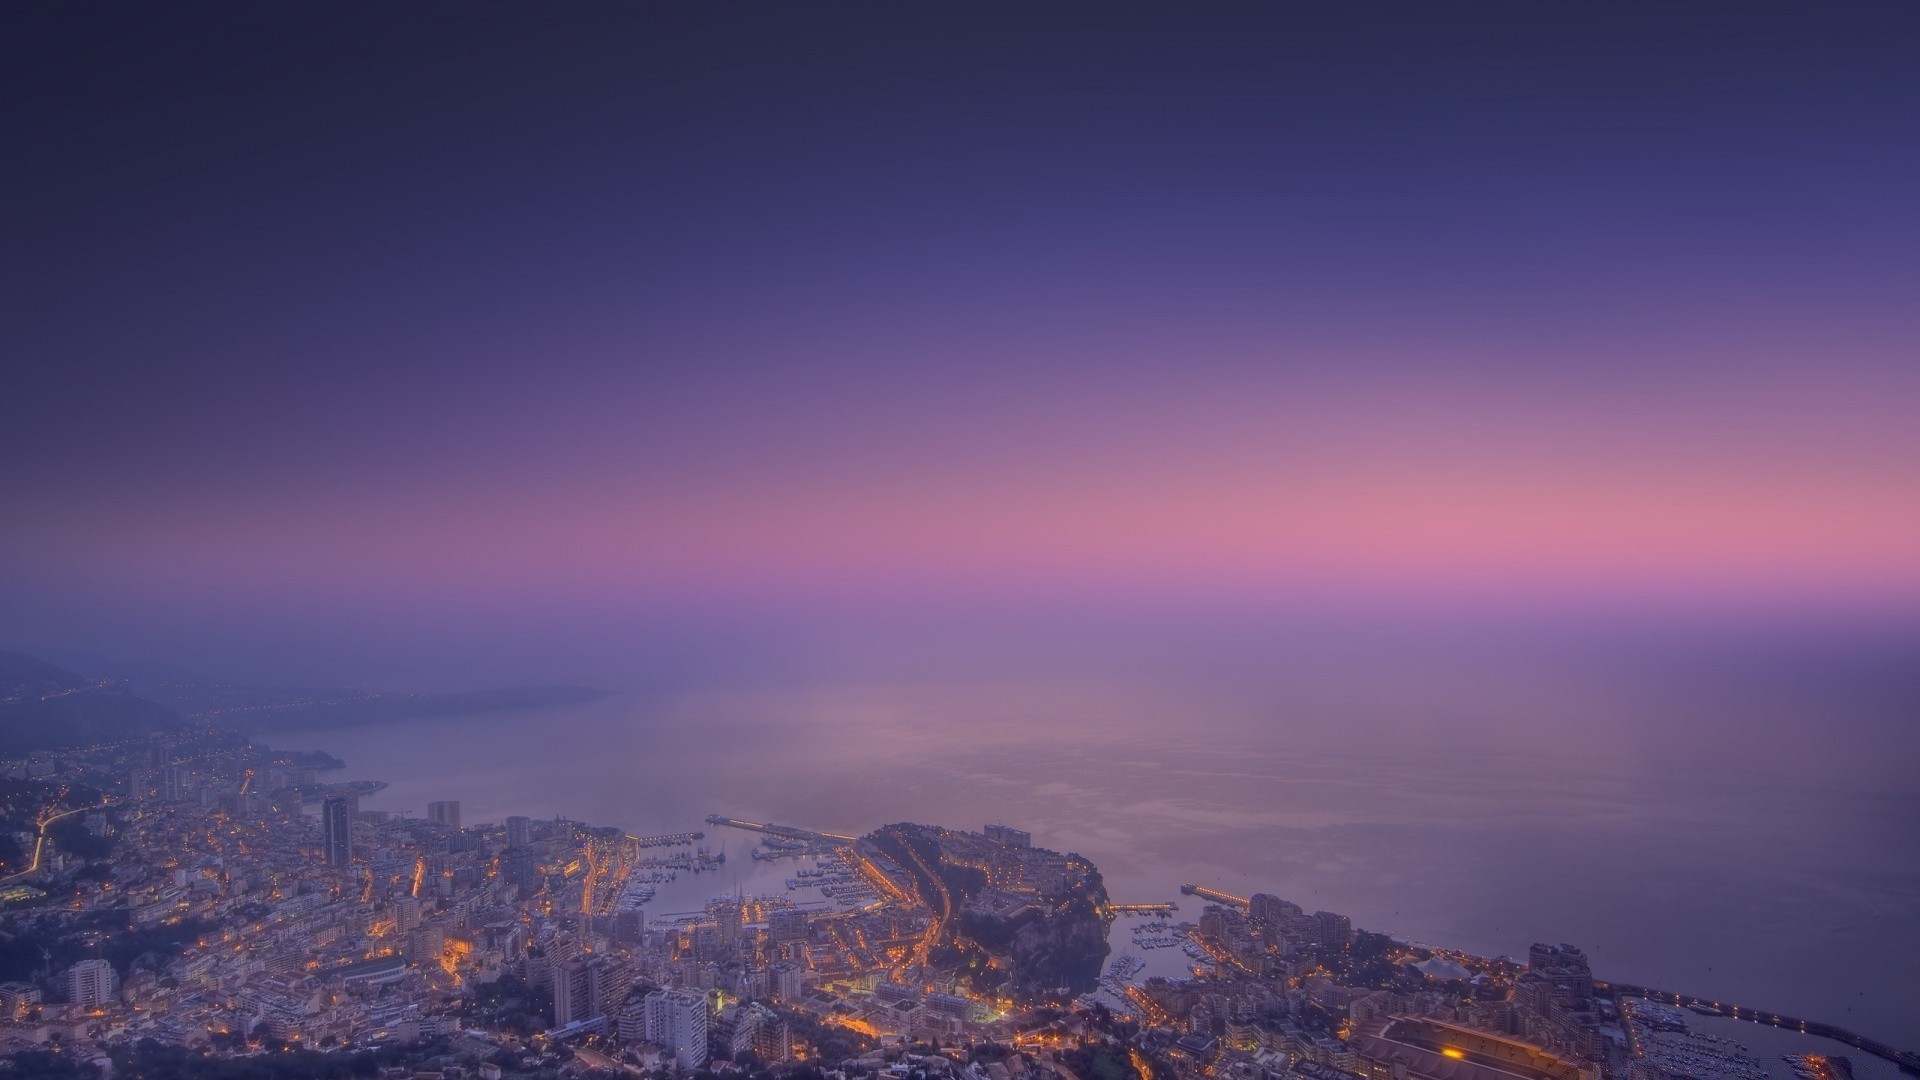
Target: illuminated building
{"type": "Point", "coordinates": [16, 998]}
{"type": "Point", "coordinates": [91, 983]}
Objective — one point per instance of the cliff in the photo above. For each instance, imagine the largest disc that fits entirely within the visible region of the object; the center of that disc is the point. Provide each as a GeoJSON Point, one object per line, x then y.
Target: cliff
{"type": "Point", "coordinates": [1024, 923]}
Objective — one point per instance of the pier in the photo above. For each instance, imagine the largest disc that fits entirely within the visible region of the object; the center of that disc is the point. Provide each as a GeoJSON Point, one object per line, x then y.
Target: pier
{"type": "Point", "coordinates": [789, 832]}
{"type": "Point", "coordinates": [1215, 895]}
{"type": "Point", "coordinates": [1908, 1061]}
{"type": "Point", "coordinates": [666, 839]}
{"type": "Point", "coordinates": [1144, 909]}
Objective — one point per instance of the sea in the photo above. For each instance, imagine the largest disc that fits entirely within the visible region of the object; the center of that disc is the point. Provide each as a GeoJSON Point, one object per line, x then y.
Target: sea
{"type": "Point", "coordinates": [1695, 858]}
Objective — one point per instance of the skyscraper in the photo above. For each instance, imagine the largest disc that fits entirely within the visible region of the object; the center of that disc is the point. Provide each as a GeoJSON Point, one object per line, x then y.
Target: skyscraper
{"type": "Point", "coordinates": [727, 915]}
{"type": "Point", "coordinates": [572, 991]}
{"type": "Point", "coordinates": [336, 829]}
{"type": "Point", "coordinates": [519, 832]}
{"type": "Point", "coordinates": [446, 813]}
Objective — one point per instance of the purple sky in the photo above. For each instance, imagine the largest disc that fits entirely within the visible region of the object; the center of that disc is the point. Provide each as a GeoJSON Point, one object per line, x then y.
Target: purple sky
{"type": "Point", "coordinates": [360, 327]}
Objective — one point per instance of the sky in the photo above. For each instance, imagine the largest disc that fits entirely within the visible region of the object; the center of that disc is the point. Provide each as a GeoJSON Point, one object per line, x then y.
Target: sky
{"type": "Point", "coordinates": [474, 333]}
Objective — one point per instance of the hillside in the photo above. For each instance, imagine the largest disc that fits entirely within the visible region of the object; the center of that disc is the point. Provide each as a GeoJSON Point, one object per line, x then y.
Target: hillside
{"type": "Point", "coordinates": [1011, 920]}
{"type": "Point", "coordinates": [43, 707]}
{"type": "Point", "coordinates": [252, 709]}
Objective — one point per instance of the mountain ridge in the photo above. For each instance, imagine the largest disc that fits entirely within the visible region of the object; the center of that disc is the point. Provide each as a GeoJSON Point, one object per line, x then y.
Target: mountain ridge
{"type": "Point", "coordinates": [46, 707]}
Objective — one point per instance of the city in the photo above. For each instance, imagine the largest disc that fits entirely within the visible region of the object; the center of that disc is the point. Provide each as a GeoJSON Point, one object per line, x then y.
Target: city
{"type": "Point", "coordinates": [202, 896]}
{"type": "Point", "coordinates": [933, 540]}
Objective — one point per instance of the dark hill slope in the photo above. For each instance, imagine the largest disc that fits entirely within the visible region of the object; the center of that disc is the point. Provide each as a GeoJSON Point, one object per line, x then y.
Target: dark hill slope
{"type": "Point", "coordinates": [43, 707]}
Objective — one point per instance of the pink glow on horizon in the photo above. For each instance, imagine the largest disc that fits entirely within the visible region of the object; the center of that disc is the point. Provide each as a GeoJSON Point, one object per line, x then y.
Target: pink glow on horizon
{"type": "Point", "coordinates": [1362, 478]}
{"type": "Point", "coordinates": [1388, 524]}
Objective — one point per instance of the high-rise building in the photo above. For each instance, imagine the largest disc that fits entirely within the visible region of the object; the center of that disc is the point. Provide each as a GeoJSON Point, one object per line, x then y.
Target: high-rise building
{"type": "Point", "coordinates": [631, 1021]}
{"type": "Point", "coordinates": [1268, 908]}
{"type": "Point", "coordinates": [424, 944]}
{"type": "Point", "coordinates": [446, 812]}
{"type": "Point", "coordinates": [573, 991]}
{"type": "Point", "coordinates": [518, 866]}
{"type": "Point", "coordinates": [1558, 960]}
{"type": "Point", "coordinates": [1336, 930]}
{"type": "Point", "coordinates": [1565, 966]}
{"type": "Point", "coordinates": [677, 1022]}
{"type": "Point", "coordinates": [731, 1033]}
{"type": "Point", "coordinates": [727, 915]}
{"type": "Point", "coordinates": [406, 913]}
{"type": "Point", "coordinates": [629, 927]}
{"type": "Point", "coordinates": [772, 1039]}
{"type": "Point", "coordinates": [1271, 916]}
{"type": "Point", "coordinates": [586, 986]}
{"type": "Point", "coordinates": [612, 982]}
{"type": "Point", "coordinates": [336, 829]}
{"type": "Point", "coordinates": [785, 983]}
{"type": "Point", "coordinates": [91, 983]}
{"type": "Point", "coordinates": [519, 831]}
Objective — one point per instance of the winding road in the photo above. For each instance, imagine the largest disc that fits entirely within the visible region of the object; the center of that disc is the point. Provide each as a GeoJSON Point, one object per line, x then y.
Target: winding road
{"type": "Point", "coordinates": [40, 842]}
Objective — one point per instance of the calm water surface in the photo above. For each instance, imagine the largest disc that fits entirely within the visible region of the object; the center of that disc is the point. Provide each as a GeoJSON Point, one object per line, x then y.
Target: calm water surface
{"type": "Point", "coordinates": [1750, 881]}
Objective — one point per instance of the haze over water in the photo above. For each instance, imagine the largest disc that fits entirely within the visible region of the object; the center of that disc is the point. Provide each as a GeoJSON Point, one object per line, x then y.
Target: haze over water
{"type": "Point", "coordinates": [1452, 806]}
